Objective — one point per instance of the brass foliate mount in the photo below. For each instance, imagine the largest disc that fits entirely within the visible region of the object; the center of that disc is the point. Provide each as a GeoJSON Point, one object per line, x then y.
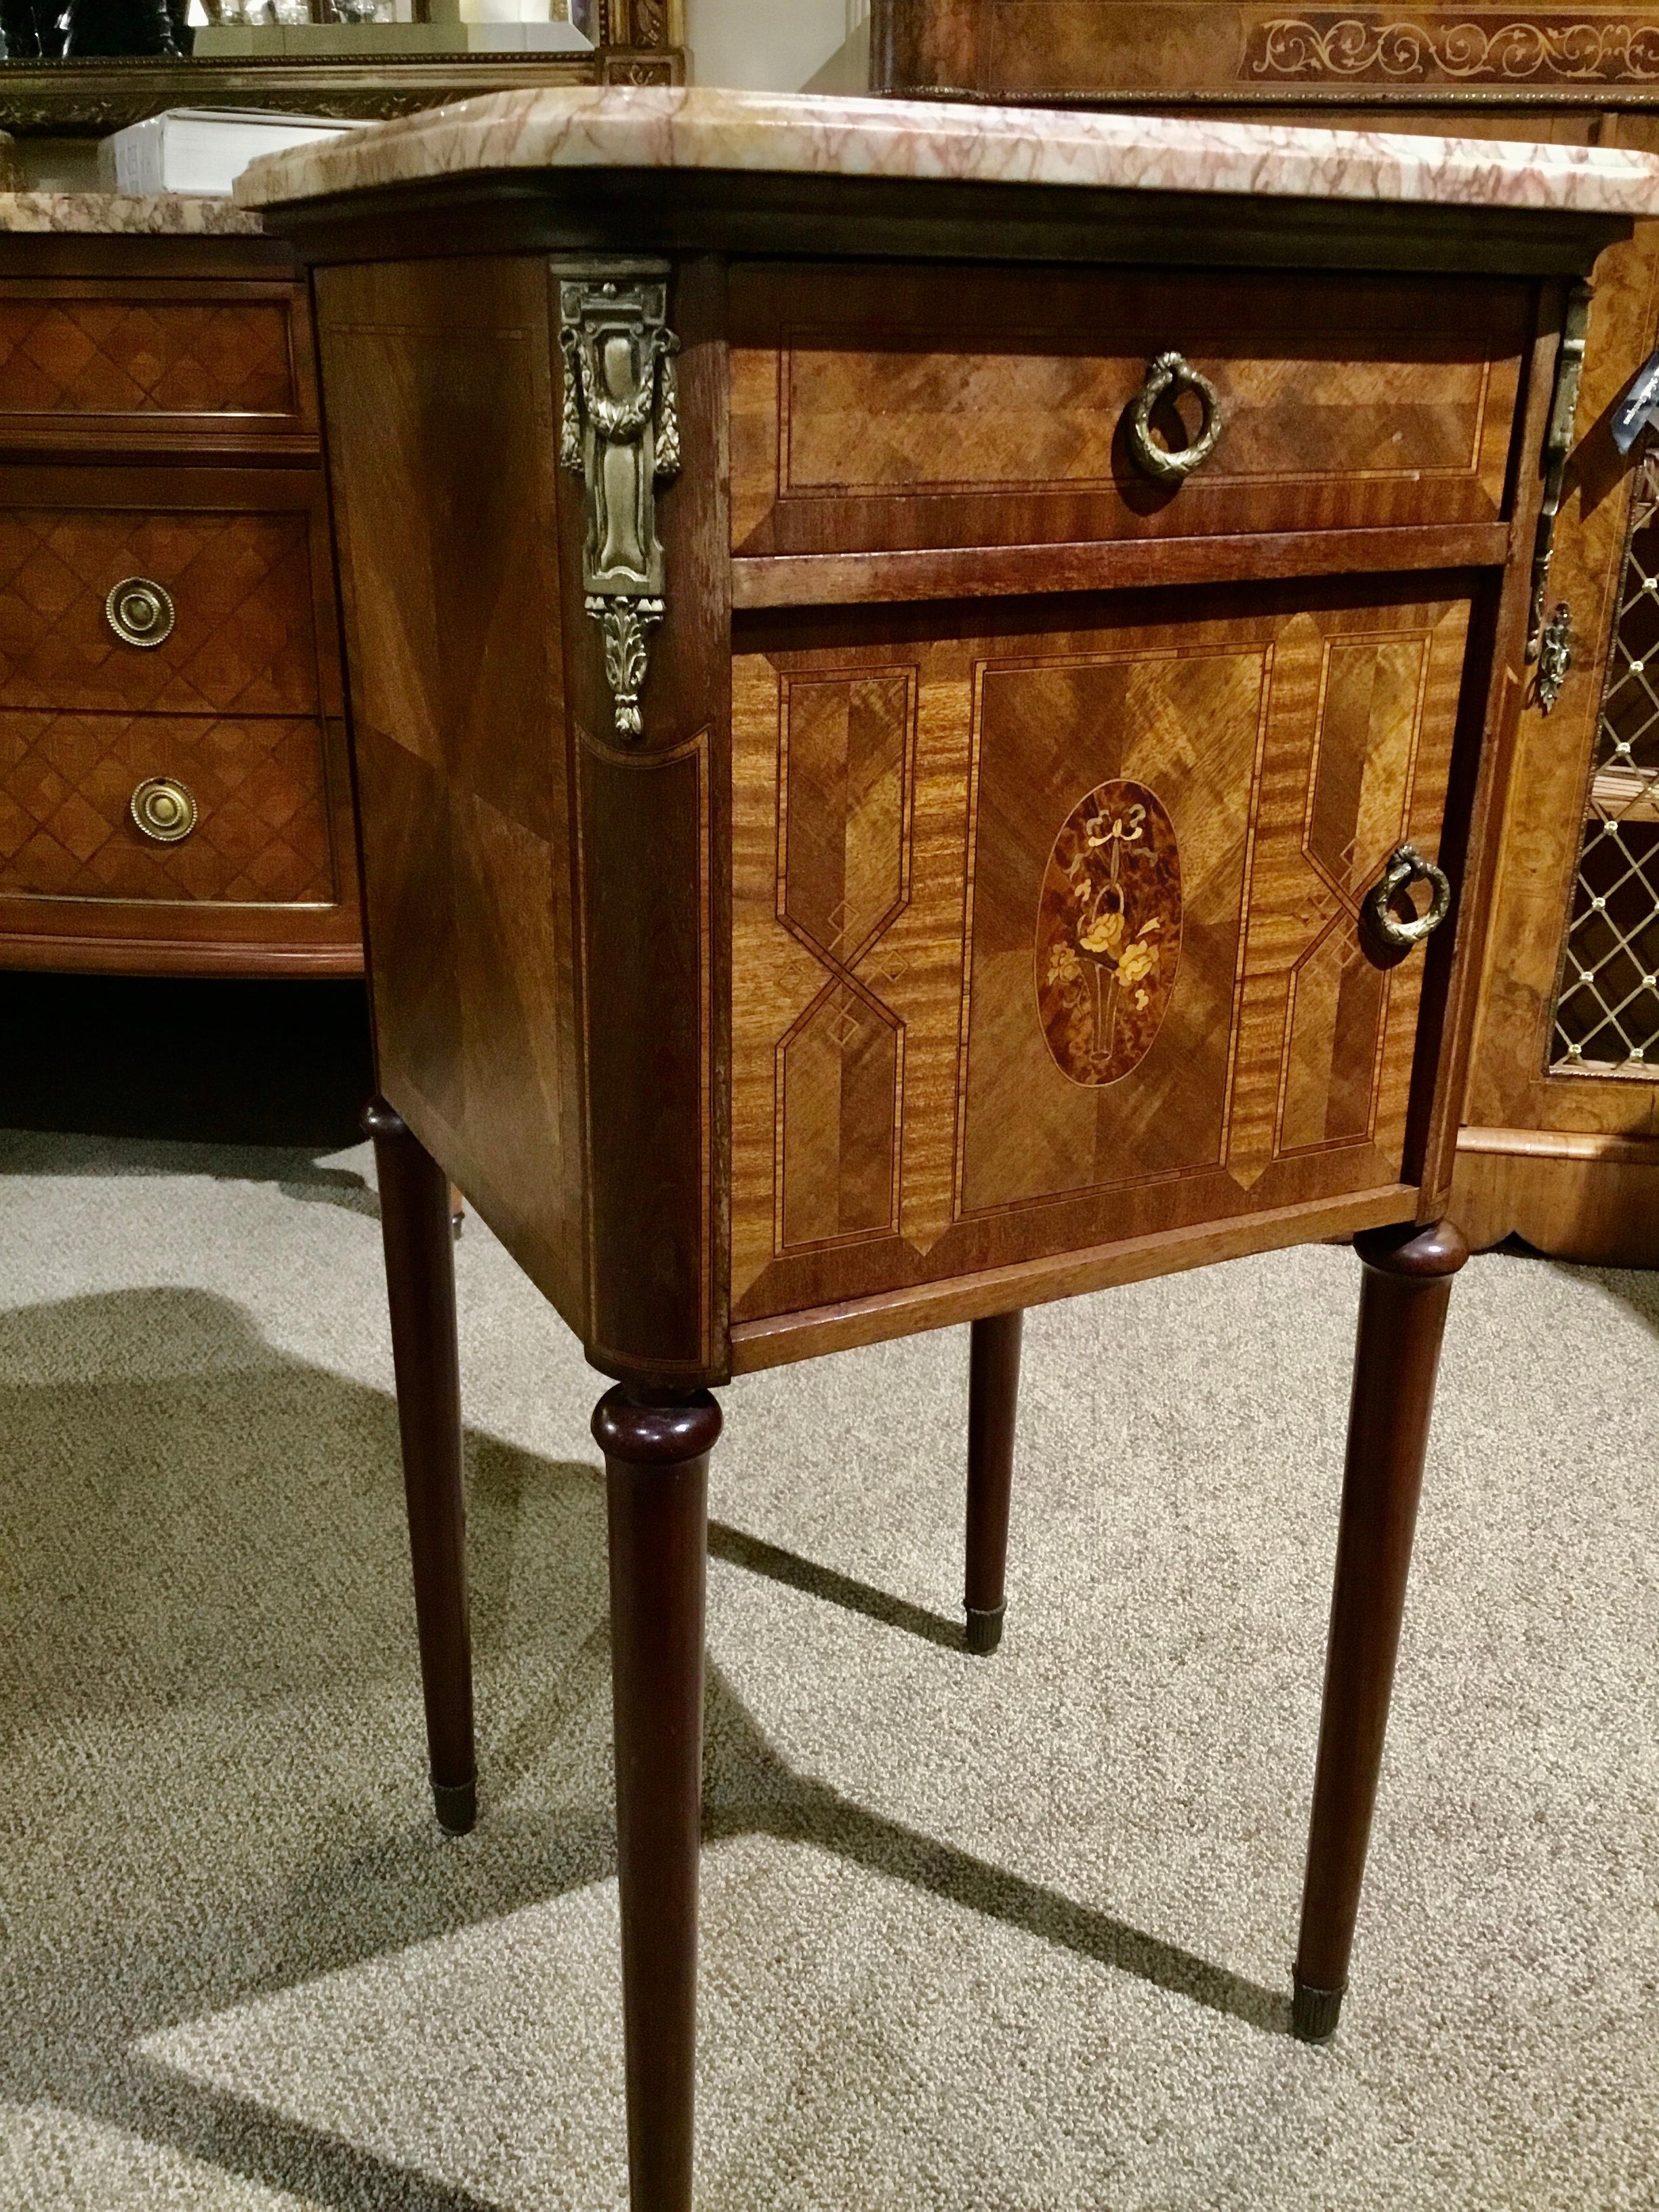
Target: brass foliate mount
{"type": "Point", "coordinates": [1554, 656]}
{"type": "Point", "coordinates": [1557, 448]}
{"type": "Point", "coordinates": [619, 431]}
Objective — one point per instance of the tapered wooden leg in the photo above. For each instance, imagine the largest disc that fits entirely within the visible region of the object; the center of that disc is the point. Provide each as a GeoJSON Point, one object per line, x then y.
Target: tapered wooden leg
{"type": "Point", "coordinates": [656, 1445]}
{"type": "Point", "coordinates": [993, 1404]}
{"type": "Point", "coordinates": [420, 1278]}
{"type": "Point", "coordinates": [1403, 1314]}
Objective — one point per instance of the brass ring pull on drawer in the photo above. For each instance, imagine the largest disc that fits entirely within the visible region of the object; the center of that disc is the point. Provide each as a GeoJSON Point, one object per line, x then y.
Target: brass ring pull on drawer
{"type": "Point", "coordinates": [1407, 866]}
{"type": "Point", "coordinates": [139, 611]}
{"type": "Point", "coordinates": [164, 809]}
{"type": "Point", "coordinates": [1165, 371]}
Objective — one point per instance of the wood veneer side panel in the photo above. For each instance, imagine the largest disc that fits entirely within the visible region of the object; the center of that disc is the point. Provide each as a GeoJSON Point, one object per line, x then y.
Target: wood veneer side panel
{"type": "Point", "coordinates": [1494, 686]}
{"type": "Point", "coordinates": [1599, 1211]}
{"type": "Point", "coordinates": [439, 400]}
{"type": "Point", "coordinates": [652, 896]}
{"type": "Point", "coordinates": [841, 1327]}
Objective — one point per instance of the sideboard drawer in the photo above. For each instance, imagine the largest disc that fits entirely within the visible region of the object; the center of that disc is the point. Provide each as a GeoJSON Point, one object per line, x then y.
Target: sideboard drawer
{"type": "Point", "coordinates": [879, 409]}
{"type": "Point", "coordinates": [238, 810]}
{"type": "Point", "coordinates": [240, 588]}
{"type": "Point", "coordinates": [90, 354]}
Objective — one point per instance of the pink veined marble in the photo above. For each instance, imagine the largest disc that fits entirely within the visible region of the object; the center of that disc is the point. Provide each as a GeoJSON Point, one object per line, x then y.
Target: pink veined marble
{"type": "Point", "coordinates": [616, 126]}
{"type": "Point", "coordinates": [151, 215]}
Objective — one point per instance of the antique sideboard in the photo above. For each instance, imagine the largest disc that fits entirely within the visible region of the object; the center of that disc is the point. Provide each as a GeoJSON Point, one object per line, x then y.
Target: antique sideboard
{"type": "Point", "coordinates": [173, 789]}
{"type": "Point", "coordinates": [1561, 1136]}
{"type": "Point", "coordinates": [930, 692]}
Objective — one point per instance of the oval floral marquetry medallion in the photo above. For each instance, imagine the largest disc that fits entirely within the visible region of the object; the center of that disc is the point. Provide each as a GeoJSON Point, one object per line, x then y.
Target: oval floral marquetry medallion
{"type": "Point", "coordinates": [1108, 932]}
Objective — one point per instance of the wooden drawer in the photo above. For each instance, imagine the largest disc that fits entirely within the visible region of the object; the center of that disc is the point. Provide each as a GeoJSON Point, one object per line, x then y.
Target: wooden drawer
{"type": "Point", "coordinates": [933, 1074]}
{"type": "Point", "coordinates": [990, 408]}
{"type": "Point", "coordinates": [153, 358]}
{"type": "Point", "coordinates": [258, 786]}
{"type": "Point", "coordinates": [243, 584]}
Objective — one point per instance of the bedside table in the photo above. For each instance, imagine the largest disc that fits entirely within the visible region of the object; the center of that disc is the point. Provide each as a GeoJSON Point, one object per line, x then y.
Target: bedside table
{"type": "Point", "coordinates": [929, 690]}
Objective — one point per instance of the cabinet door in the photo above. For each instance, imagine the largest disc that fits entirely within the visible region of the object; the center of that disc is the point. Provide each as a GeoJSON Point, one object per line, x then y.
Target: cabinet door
{"type": "Point", "coordinates": [1050, 938]}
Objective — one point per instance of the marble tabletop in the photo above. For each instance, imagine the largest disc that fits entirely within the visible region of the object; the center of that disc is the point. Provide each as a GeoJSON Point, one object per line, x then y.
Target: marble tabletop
{"type": "Point", "coordinates": [147, 215]}
{"type": "Point", "coordinates": [615, 126]}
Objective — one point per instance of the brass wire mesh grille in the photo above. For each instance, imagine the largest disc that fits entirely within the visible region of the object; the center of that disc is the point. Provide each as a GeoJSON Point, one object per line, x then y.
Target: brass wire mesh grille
{"type": "Point", "coordinates": [1607, 1002]}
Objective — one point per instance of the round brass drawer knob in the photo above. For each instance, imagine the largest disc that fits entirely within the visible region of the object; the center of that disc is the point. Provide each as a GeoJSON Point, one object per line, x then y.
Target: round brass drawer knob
{"type": "Point", "coordinates": [164, 809]}
{"type": "Point", "coordinates": [139, 611]}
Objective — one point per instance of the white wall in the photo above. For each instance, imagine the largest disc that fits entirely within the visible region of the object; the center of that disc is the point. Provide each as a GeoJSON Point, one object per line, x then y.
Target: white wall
{"type": "Point", "coordinates": [780, 46]}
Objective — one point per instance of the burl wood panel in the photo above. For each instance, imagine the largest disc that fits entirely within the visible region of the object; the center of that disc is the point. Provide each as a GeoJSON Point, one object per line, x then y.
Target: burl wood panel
{"type": "Point", "coordinates": [243, 586]}
{"type": "Point", "coordinates": [443, 440]}
{"type": "Point", "coordinates": [1046, 936]}
{"type": "Point", "coordinates": [908, 406]}
{"type": "Point", "coordinates": [1509, 1085]}
{"type": "Point", "coordinates": [84, 348]}
{"type": "Point", "coordinates": [66, 829]}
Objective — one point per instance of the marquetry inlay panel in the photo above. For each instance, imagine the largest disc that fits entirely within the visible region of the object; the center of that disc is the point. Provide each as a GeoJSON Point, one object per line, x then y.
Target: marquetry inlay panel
{"type": "Point", "coordinates": [1108, 932]}
{"type": "Point", "coordinates": [244, 639]}
{"type": "Point", "coordinates": [66, 829]}
{"type": "Point", "coordinates": [108, 354]}
{"type": "Point", "coordinates": [940, 407]}
{"type": "Point", "coordinates": [1092, 965]}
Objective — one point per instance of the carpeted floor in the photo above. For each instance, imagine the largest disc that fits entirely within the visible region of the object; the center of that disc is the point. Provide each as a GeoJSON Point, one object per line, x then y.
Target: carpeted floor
{"type": "Point", "coordinates": [980, 1936]}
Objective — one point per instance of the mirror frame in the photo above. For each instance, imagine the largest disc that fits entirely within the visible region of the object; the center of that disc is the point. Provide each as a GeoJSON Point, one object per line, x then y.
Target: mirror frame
{"type": "Point", "coordinates": [640, 42]}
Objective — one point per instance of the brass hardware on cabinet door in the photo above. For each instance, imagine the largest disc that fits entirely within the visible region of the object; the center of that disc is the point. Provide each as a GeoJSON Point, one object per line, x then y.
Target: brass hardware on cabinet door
{"type": "Point", "coordinates": [139, 611]}
{"type": "Point", "coordinates": [1554, 656]}
{"type": "Point", "coordinates": [1163, 373]}
{"type": "Point", "coordinates": [164, 809]}
{"type": "Point", "coordinates": [1557, 445]}
{"type": "Point", "coordinates": [1406, 865]}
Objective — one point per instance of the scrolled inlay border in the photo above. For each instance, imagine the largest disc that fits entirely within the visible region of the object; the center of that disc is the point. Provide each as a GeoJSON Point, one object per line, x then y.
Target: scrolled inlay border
{"type": "Point", "coordinates": [1563, 49]}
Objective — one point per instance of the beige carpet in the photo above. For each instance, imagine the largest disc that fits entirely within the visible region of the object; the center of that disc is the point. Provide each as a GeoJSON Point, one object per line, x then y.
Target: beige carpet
{"type": "Point", "coordinates": [980, 1936]}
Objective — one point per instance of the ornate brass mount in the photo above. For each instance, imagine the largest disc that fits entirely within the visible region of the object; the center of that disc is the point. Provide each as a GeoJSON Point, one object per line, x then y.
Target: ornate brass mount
{"type": "Point", "coordinates": [139, 611]}
{"type": "Point", "coordinates": [1166, 371]}
{"type": "Point", "coordinates": [164, 809]}
{"type": "Point", "coordinates": [1557, 445]}
{"type": "Point", "coordinates": [1406, 865]}
{"type": "Point", "coordinates": [619, 431]}
{"type": "Point", "coordinates": [1554, 656]}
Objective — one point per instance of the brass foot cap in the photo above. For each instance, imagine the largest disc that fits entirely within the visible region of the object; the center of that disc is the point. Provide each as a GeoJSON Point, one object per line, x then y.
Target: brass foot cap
{"type": "Point", "coordinates": [1313, 2012]}
{"type": "Point", "coordinates": [985, 1630]}
{"type": "Point", "coordinates": [456, 1806]}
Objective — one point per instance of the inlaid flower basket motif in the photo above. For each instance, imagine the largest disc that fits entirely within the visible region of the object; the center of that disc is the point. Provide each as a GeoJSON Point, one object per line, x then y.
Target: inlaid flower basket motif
{"type": "Point", "coordinates": [1108, 932]}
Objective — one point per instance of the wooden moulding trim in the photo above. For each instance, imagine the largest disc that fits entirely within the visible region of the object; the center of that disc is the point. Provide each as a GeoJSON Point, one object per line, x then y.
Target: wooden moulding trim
{"type": "Point", "coordinates": [1562, 1145]}
{"type": "Point", "coordinates": [93, 956]}
{"type": "Point", "coordinates": [799, 580]}
{"type": "Point", "coordinates": [786, 1337]}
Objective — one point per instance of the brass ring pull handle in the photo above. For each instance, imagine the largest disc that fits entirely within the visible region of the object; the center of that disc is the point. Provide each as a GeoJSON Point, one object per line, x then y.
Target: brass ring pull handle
{"type": "Point", "coordinates": [1169, 369]}
{"type": "Point", "coordinates": [139, 611]}
{"type": "Point", "coordinates": [164, 809]}
{"type": "Point", "coordinates": [1407, 866]}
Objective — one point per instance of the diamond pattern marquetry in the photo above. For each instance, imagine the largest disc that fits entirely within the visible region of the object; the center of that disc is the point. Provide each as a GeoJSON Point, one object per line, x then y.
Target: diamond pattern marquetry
{"type": "Point", "coordinates": [244, 640]}
{"type": "Point", "coordinates": [66, 782]}
{"type": "Point", "coordinates": [132, 356]}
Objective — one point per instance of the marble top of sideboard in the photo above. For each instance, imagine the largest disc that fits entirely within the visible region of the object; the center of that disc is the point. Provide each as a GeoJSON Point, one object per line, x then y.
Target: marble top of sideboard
{"type": "Point", "coordinates": [663, 127]}
{"type": "Point", "coordinates": [147, 215]}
